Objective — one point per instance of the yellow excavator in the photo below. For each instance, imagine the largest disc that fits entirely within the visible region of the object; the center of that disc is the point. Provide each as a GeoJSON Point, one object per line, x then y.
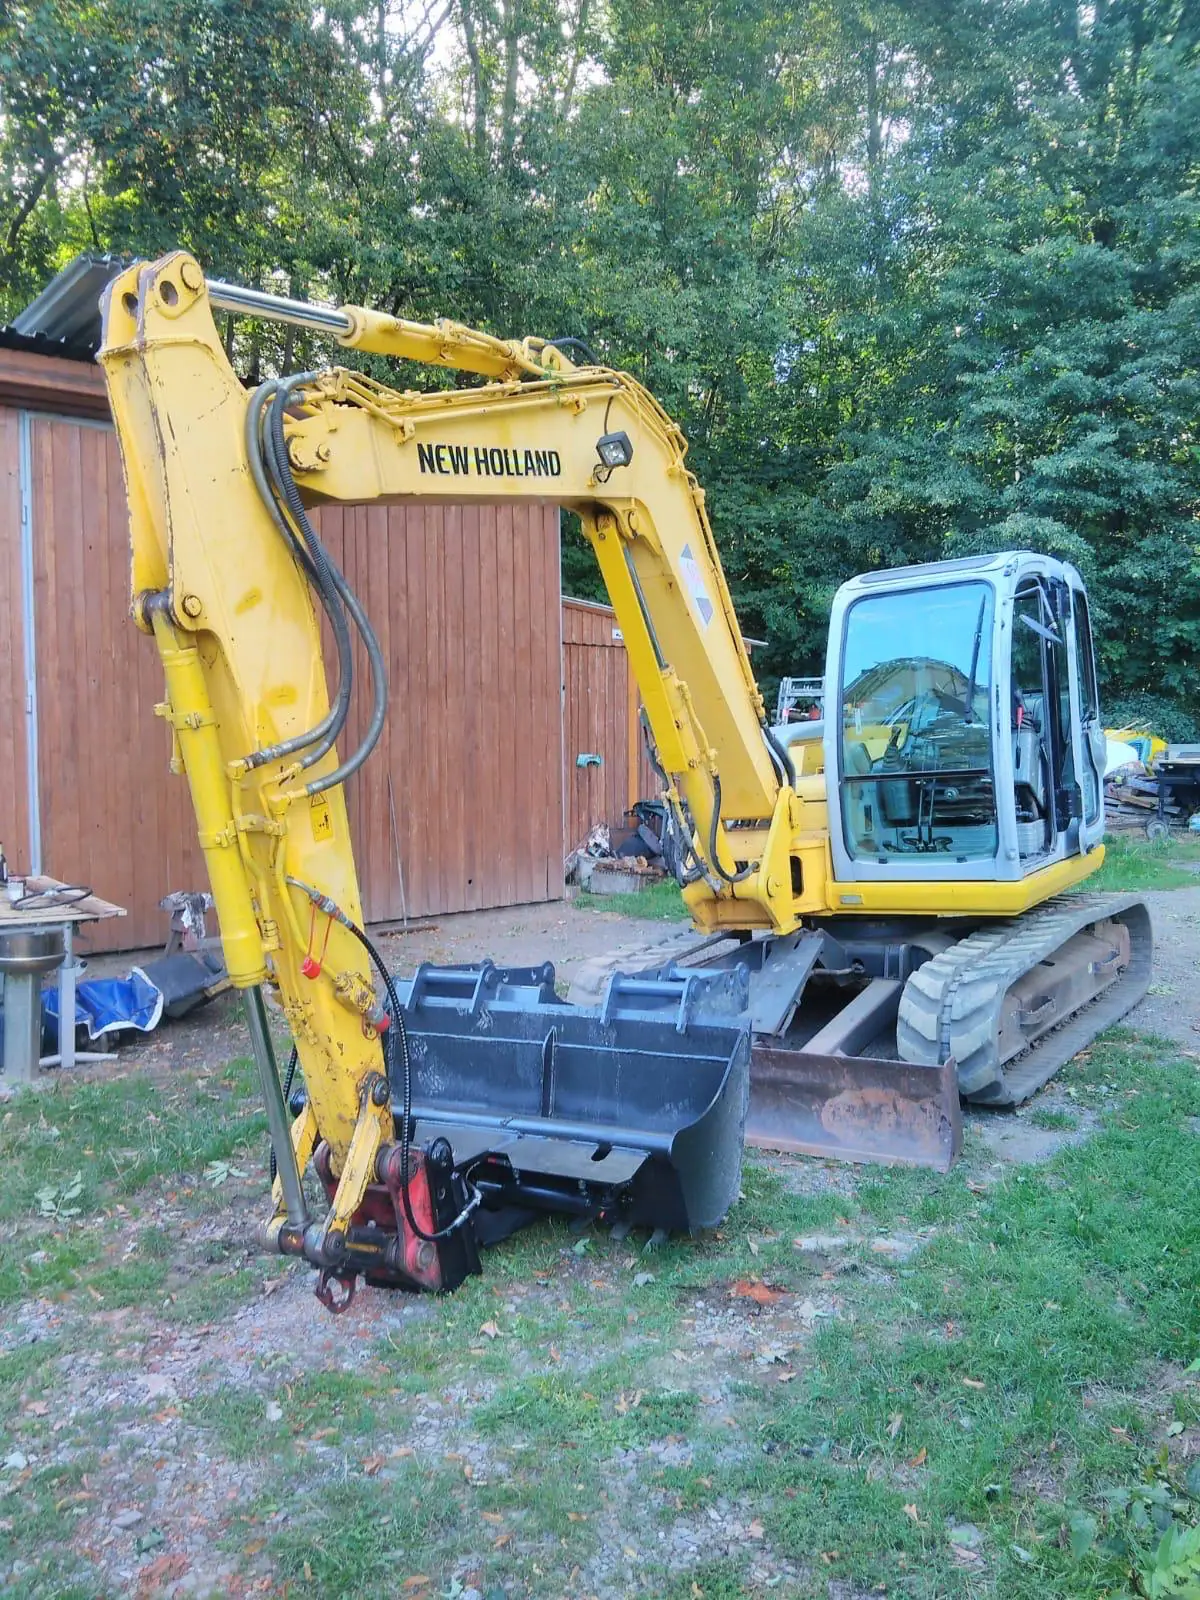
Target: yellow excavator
{"type": "Point", "coordinates": [880, 898]}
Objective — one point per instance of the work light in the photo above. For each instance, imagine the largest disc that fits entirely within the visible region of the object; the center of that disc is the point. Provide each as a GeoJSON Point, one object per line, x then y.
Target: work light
{"type": "Point", "coordinates": [614, 450]}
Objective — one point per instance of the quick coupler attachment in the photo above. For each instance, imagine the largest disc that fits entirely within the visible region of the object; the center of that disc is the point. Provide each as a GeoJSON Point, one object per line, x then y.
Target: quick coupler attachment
{"type": "Point", "coordinates": [412, 1231]}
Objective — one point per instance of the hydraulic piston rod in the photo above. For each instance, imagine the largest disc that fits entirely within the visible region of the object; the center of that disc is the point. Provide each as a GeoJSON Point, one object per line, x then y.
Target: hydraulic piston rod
{"type": "Point", "coordinates": [278, 308]}
{"type": "Point", "coordinates": [278, 1123]}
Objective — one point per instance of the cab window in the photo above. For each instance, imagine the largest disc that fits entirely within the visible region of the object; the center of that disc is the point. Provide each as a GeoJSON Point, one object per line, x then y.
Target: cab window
{"type": "Point", "coordinates": [916, 757]}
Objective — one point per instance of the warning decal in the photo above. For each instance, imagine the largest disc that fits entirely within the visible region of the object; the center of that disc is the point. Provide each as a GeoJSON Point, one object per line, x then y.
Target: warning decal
{"type": "Point", "coordinates": [694, 580]}
{"type": "Point", "coordinates": [322, 822]}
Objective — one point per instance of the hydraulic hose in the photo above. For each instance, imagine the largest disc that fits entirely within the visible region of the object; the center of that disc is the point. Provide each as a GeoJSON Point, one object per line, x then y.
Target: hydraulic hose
{"type": "Point", "coordinates": [782, 757]}
{"type": "Point", "coordinates": [714, 859]}
{"type": "Point", "coordinates": [350, 600]}
{"type": "Point", "coordinates": [295, 506]}
{"type": "Point", "coordinates": [395, 1037]}
{"type": "Point", "coordinates": [254, 455]}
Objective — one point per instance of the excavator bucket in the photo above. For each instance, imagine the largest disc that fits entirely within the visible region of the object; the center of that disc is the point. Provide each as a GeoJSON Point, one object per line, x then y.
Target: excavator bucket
{"type": "Point", "coordinates": [631, 1112]}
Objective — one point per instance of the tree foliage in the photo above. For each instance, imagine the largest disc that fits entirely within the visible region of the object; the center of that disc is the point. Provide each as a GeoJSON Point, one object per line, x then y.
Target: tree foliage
{"type": "Point", "coordinates": [917, 278]}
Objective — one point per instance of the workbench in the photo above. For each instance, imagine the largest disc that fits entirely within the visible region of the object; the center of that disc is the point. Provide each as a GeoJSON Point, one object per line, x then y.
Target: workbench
{"type": "Point", "coordinates": [23, 989]}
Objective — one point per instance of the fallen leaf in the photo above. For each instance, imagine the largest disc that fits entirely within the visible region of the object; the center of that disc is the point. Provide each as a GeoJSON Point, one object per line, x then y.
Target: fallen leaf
{"type": "Point", "coordinates": [760, 1293]}
{"type": "Point", "coordinates": [403, 1451]}
{"type": "Point", "coordinates": [786, 1377]}
{"type": "Point", "coordinates": [501, 1541]}
{"type": "Point", "coordinates": [629, 1551]}
{"type": "Point", "coordinates": [493, 1517]}
{"type": "Point", "coordinates": [37, 1408]}
{"type": "Point", "coordinates": [919, 1459]}
{"type": "Point", "coordinates": [912, 1512]}
{"type": "Point", "coordinates": [895, 1423]}
{"type": "Point", "coordinates": [974, 1383]}
{"type": "Point", "coordinates": [753, 1243]}
{"type": "Point", "coordinates": [1122, 1434]}
{"type": "Point", "coordinates": [324, 1433]}
{"type": "Point", "coordinates": [830, 1556]}
{"type": "Point", "coordinates": [253, 1548]}
{"type": "Point", "coordinates": [308, 1577]}
{"type": "Point", "coordinates": [372, 1465]}
{"type": "Point", "coordinates": [490, 1331]}
{"type": "Point", "coordinates": [158, 1574]}
{"type": "Point", "coordinates": [417, 1581]}
{"type": "Point", "coordinates": [756, 1530]}
{"type": "Point", "coordinates": [554, 1355]}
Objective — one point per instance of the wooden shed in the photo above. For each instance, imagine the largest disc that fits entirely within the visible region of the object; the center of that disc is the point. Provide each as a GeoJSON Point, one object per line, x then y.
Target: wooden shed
{"type": "Point", "coordinates": [498, 687]}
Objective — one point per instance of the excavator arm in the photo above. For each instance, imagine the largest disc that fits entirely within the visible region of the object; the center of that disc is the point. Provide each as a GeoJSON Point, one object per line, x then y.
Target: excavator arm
{"type": "Point", "coordinates": [225, 564]}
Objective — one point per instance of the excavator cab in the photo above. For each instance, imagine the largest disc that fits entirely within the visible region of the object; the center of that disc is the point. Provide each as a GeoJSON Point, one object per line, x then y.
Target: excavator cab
{"type": "Point", "coordinates": [963, 725]}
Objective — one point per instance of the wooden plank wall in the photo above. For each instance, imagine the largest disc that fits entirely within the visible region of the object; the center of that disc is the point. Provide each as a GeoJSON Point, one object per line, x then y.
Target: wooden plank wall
{"type": "Point", "coordinates": [112, 814]}
{"type": "Point", "coordinates": [14, 810]}
{"type": "Point", "coordinates": [600, 707]}
{"type": "Point", "coordinates": [466, 602]}
{"type": "Point", "coordinates": [474, 741]}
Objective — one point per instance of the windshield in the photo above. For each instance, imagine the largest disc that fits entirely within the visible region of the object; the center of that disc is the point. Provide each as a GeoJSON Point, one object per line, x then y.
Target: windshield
{"type": "Point", "coordinates": [916, 747]}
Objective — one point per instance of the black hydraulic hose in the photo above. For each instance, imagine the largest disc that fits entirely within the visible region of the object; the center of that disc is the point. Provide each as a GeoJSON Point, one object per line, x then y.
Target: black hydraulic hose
{"type": "Point", "coordinates": [378, 669]}
{"type": "Point", "coordinates": [714, 859]}
{"type": "Point", "coordinates": [395, 1037]}
{"type": "Point", "coordinates": [261, 460]}
{"type": "Point", "coordinates": [275, 453]}
{"type": "Point", "coordinates": [568, 342]}
{"type": "Point", "coordinates": [782, 755]}
{"type": "Point", "coordinates": [340, 708]}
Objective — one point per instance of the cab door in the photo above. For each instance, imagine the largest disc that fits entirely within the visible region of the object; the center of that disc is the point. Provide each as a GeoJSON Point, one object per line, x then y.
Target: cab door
{"type": "Point", "coordinates": [1089, 740]}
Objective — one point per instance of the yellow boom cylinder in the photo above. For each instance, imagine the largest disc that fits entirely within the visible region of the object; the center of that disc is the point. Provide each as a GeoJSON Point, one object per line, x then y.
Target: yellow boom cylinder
{"type": "Point", "coordinates": [190, 714]}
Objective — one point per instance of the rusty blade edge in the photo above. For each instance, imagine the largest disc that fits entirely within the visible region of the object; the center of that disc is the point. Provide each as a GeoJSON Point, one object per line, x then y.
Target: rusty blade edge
{"type": "Point", "coordinates": [892, 1112]}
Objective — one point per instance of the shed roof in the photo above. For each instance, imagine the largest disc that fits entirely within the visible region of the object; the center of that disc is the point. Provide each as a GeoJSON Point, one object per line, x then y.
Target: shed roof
{"type": "Point", "coordinates": [68, 308]}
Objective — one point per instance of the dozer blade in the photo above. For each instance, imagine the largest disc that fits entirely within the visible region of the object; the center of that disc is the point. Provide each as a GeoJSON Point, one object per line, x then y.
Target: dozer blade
{"type": "Point", "coordinates": [632, 1111]}
{"type": "Point", "coordinates": [854, 1108]}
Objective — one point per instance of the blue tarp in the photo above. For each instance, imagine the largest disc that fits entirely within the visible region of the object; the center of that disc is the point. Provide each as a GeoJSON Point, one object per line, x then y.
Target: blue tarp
{"type": "Point", "coordinates": [109, 1005]}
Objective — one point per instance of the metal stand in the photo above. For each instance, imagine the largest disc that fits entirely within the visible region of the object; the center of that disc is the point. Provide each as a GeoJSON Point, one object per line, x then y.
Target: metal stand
{"type": "Point", "coordinates": [25, 955]}
{"type": "Point", "coordinates": [67, 978]}
{"type": "Point", "coordinates": [22, 1026]}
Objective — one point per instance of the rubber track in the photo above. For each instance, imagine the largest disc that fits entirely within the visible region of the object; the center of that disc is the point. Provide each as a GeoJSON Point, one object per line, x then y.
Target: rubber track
{"type": "Point", "coordinates": [950, 1008]}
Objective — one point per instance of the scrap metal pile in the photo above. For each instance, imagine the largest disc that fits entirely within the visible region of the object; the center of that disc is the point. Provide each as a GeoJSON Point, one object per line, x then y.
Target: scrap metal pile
{"type": "Point", "coordinates": [1150, 784]}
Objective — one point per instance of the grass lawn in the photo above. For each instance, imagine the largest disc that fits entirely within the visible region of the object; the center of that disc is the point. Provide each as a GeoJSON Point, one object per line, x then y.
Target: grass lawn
{"type": "Point", "coordinates": [971, 1385]}
{"type": "Point", "coordinates": [661, 902]}
{"type": "Point", "coordinates": [1133, 862]}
